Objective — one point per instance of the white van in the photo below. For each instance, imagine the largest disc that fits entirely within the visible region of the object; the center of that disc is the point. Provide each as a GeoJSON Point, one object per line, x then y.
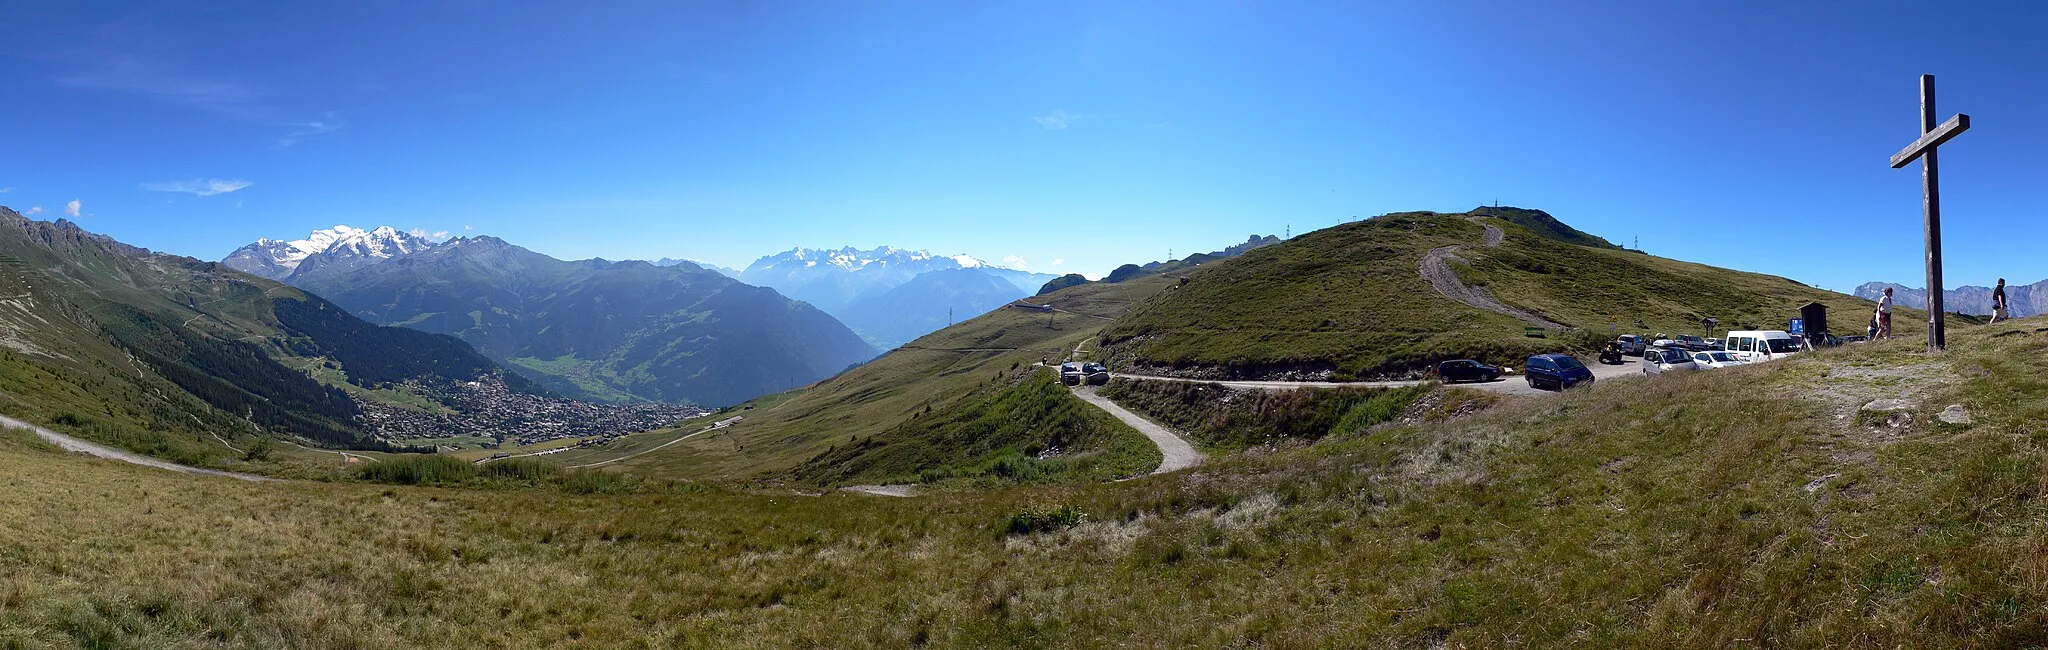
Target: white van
{"type": "Point", "coordinates": [1752, 346]}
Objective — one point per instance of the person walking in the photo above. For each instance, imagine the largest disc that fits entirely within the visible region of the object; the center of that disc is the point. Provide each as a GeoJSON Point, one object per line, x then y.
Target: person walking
{"type": "Point", "coordinates": [1998, 312]}
{"type": "Point", "coordinates": [1884, 314]}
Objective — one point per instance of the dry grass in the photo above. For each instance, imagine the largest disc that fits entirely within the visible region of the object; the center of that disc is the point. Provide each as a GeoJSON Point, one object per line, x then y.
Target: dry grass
{"type": "Point", "coordinates": [1658, 513]}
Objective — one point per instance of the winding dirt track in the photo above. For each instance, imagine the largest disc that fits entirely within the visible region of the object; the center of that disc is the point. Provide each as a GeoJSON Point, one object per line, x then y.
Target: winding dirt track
{"type": "Point", "coordinates": [1175, 453]}
{"type": "Point", "coordinates": [68, 443]}
{"type": "Point", "coordinates": [1436, 268]}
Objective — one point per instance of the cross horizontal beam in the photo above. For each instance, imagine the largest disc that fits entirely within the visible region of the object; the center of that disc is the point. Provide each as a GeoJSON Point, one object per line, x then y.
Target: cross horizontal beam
{"type": "Point", "coordinates": [1953, 127]}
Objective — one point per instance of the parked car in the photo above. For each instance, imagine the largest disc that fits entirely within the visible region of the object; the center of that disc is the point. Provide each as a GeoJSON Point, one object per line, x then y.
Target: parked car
{"type": "Point", "coordinates": [1716, 344]}
{"type": "Point", "coordinates": [1071, 375]}
{"type": "Point", "coordinates": [1693, 343]}
{"type": "Point", "coordinates": [1095, 374]}
{"type": "Point", "coordinates": [1714, 359]}
{"type": "Point", "coordinates": [1556, 371]}
{"type": "Point", "coordinates": [1659, 344]}
{"type": "Point", "coordinates": [1859, 338]}
{"type": "Point", "coordinates": [1669, 360]}
{"type": "Point", "coordinates": [1752, 346]}
{"type": "Point", "coordinates": [1631, 344]}
{"type": "Point", "coordinates": [1466, 370]}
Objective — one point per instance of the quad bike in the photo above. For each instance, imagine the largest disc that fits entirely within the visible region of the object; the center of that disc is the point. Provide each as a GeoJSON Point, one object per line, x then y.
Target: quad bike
{"type": "Point", "coordinates": [1611, 354]}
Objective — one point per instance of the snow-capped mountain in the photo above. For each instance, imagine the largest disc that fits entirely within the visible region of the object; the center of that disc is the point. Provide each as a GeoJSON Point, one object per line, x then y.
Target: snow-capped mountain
{"type": "Point", "coordinates": [837, 280]}
{"type": "Point", "coordinates": [337, 249]}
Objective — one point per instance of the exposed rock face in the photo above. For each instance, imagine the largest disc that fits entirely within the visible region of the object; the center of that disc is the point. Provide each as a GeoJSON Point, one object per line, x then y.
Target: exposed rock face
{"type": "Point", "coordinates": [1954, 414]}
{"type": "Point", "coordinates": [2025, 299]}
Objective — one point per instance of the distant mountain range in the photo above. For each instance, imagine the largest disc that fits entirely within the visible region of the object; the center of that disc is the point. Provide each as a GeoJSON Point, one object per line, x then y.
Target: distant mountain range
{"type": "Point", "coordinates": [334, 250]}
{"type": "Point", "coordinates": [121, 344]}
{"type": "Point", "coordinates": [726, 271]}
{"type": "Point", "coordinates": [592, 329]}
{"type": "Point", "coordinates": [2025, 299]}
{"type": "Point", "coordinates": [855, 285]}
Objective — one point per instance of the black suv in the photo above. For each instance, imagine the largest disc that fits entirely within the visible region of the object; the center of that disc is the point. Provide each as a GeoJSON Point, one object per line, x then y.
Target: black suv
{"type": "Point", "coordinates": [1466, 370]}
{"type": "Point", "coordinates": [1095, 374]}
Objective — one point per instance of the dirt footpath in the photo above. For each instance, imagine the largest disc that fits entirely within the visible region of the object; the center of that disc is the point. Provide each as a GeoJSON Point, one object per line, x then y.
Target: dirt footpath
{"type": "Point", "coordinates": [1436, 268]}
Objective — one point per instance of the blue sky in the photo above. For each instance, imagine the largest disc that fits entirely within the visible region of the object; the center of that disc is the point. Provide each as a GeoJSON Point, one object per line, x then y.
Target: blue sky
{"type": "Point", "coordinates": [1751, 135]}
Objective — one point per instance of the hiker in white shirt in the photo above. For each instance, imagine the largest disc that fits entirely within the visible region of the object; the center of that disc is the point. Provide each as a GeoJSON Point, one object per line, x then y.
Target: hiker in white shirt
{"type": "Point", "coordinates": [1884, 314]}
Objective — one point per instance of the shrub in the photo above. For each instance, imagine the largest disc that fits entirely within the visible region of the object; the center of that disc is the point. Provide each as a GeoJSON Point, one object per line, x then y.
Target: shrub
{"type": "Point", "coordinates": [1046, 519]}
{"type": "Point", "coordinates": [599, 482]}
{"type": "Point", "coordinates": [259, 450]}
{"type": "Point", "coordinates": [520, 469]}
{"type": "Point", "coordinates": [418, 470]}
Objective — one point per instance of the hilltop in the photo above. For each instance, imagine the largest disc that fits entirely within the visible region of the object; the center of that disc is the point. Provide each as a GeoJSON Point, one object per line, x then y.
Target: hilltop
{"type": "Point", "coordinates": [1354, 300]}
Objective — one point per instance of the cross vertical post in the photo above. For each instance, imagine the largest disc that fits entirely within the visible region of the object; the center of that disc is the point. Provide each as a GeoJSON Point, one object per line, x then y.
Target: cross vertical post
{"type": "Point", "coordinates": [1931, 136]}
{"type": "Point", "coordinates": [1930, 180]}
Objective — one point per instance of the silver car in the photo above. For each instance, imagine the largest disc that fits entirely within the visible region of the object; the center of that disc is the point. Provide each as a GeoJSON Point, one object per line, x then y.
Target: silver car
{"type": "Point", "coordinates": [1663, 360]}
{"type": "Point", "coordinates": [1714, 359]}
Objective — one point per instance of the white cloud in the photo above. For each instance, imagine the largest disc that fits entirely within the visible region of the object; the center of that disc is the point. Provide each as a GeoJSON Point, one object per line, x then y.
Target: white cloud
{"type": "Point", "coordinates": [71, 208]}
{"type": "Point", "coordinates": [33, 211]}
{"type": "Point", "coordinates": [151, 78]}
{"type": "Point", "coordinates": [4, 190]}
{"type": "Point", "coordinates": [1060, 119]}
{"type": "Point", "coordinates": [466, 227]}
{"type": "Point", "coordinates": [169, 82]}
{"type": "Point", "coordinates": [437, 237]}
{"type": "Point", "coordinates": [1058, 261]}
{"type": "Point", "coordinates": [1016, 262]}
{"type": "Point", "coordinates": [328, 124]}
{"type": "Point", "coordinates": [199, 187]}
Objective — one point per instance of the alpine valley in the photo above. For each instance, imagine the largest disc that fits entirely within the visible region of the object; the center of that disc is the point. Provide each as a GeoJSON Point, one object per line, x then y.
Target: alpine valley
{"type": "Point", "coordinates": [188, 360]}
{"type": "Point", "coordinates": [590, 329]}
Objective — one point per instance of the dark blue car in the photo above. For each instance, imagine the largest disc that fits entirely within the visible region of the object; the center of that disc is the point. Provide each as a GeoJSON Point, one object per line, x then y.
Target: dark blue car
{"type": "Point", "coordinates": [1556, 372]}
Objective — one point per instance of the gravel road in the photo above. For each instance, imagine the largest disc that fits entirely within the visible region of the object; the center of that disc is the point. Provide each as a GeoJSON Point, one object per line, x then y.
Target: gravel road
{"type": "Point", "coordinates": [68, 443]}
{"type": "Point", "coordinates": [1175, 453]}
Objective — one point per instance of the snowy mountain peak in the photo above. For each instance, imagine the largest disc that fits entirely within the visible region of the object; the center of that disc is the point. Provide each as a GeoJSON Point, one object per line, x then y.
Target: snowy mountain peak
{"type": "Point", "coordinates": [342, 244]}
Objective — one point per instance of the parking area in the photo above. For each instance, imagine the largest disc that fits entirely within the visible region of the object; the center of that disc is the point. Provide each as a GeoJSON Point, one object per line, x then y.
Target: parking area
{"type": "Point", "coordinates": [1629, 367]}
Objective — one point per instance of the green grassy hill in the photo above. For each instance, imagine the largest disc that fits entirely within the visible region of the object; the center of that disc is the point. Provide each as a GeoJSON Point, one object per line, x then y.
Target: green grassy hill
{"type": "Point", "coordinates": [937, 375]}
{"type": "Point", "coordinates": [1350, 301]}
{"type": "Point", "coordinates": [1736, 508]}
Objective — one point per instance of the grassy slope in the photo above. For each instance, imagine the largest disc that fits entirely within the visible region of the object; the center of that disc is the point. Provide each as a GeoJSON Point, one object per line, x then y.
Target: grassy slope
{"type": "Point", "coordinates": [1350, 299]}
{"type": "Point", "coordinates": [99, 280]}
{"type": "Point", "coordinates": [1027, 429]}
{"type": "Point", "coordinates": [937, 371]}
{"type": "Point", "coordinates": [1658, 513]}
{"type": "Point", "coordinates": [1220, 418]}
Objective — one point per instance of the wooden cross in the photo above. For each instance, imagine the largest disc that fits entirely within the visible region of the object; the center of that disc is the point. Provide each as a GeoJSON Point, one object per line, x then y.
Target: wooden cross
{"type": "Point", "coordinates": [1932, 136]}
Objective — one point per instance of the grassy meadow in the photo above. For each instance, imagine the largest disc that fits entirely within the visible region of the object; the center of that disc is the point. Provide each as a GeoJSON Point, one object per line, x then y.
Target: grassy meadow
{"type": "Point", "coordinates": [1752, 506]}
